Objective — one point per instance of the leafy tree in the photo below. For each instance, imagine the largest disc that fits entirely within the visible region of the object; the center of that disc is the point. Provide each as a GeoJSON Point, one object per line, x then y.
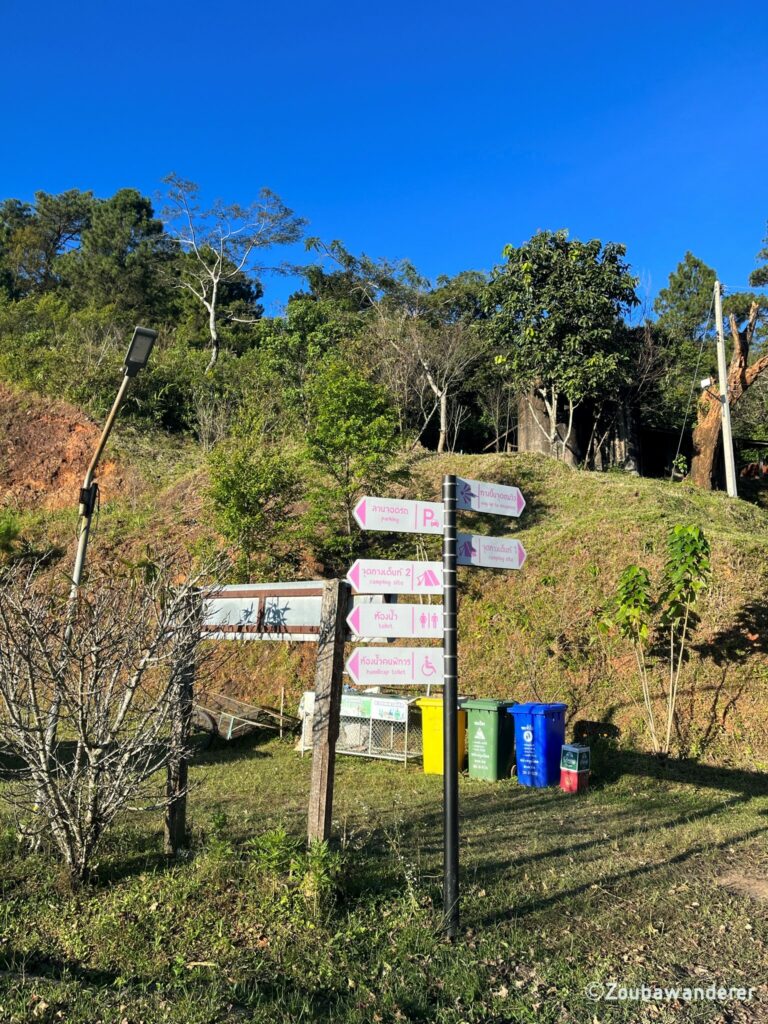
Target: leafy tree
{"type": "Point", "coordinates": [556, 309]}
{"type": "Point", "coordinates": [643, 620]}
{"type": "Point", "coordinates": [253, 487]}
{"type": "Point", "coordinates": [685, 336]}
{"type": "Point", "coordinates": [221, 245]}
{"type": "Point", "coordinates": [33, 238]}
{"type": "Point", "coordinates": [351, 441]}
{"type": "Point", "coordinates": [759, 277]}
{"type": "Point", "coordinates": [120, 253]}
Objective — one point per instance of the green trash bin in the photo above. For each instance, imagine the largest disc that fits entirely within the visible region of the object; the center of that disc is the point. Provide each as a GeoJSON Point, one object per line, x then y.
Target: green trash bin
{"type": "Point", "coordinates": [491, 738]}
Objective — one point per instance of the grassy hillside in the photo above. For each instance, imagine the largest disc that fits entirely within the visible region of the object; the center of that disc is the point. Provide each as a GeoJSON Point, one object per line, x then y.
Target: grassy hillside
{"type": "Point", "coordinates": [529, 635]}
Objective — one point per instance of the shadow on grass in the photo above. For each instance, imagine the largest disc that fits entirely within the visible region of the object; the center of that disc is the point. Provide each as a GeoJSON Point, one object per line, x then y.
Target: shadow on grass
{"type": "Point", "coordinates": [618, 878]}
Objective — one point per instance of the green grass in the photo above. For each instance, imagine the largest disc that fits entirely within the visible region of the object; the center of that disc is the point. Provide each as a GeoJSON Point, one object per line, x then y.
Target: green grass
{"type": "Point", "coordinates": [557, 892]}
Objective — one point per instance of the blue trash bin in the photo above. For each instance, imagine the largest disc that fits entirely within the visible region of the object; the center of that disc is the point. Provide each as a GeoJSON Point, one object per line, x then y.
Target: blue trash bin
{"type": "Point", "coordinates": [539, 737]}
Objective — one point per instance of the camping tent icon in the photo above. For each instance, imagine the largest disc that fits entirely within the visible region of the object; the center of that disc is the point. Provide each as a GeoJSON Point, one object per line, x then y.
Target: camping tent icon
{"type": "Point", "coordinates": [427, 579]}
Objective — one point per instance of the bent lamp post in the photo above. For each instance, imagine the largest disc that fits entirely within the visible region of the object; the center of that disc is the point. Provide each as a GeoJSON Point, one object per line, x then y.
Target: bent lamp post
{"type": "Point", "coordinates": [135, 360]}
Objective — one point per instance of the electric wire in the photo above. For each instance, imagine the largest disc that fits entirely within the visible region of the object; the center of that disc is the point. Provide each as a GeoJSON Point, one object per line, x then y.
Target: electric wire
{"type": "Point", "coordinates": [693, 385]}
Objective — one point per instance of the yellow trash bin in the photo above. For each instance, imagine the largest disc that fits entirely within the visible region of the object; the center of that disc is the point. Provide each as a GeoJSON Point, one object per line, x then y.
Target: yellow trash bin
{"type": "Point", "coordinates": [432, 734]}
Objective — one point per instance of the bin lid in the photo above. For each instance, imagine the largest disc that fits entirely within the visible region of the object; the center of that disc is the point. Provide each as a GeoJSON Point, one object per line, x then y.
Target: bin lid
{"type": "Point", "coordinates": [533, 708]}
{"type": "Point", "coordinates": [429, 702]}
{"type": "Point", "coordinates": [487, 704]}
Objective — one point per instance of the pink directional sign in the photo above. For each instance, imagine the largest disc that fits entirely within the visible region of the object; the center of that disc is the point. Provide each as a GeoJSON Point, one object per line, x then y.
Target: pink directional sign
{"type": "Point", "coordinates": [489, 552]}
{"type": "Point", "coordinates": [399, 515]}
{"type": "Point", "coordinates": [422, 621]}
{"type": "Point", "coordinates": [382, 576]}
{"type": "Point", "coordinates": [479, 496]}
{"type": "Point", "coordinates": [396, 666]}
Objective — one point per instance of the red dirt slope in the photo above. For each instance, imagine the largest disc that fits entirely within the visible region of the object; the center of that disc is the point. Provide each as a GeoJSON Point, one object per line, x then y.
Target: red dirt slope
{"type": "Point", "coordinates": [45, 447]}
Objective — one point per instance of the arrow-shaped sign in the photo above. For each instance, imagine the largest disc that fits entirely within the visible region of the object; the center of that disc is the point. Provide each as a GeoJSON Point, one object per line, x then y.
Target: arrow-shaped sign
{"type": "Point", "coordinates": [489, 552]}
{"type": "Point", "coordinates": [382, 576]}
{"type": "Point", "coordinates": [396, 666]}
{"type": "Point", "coordinates": [422, 621]}
{"type": "Point", "coordinates": [480, 496]}
{"type": "Point", "coordinates": [399, 515]}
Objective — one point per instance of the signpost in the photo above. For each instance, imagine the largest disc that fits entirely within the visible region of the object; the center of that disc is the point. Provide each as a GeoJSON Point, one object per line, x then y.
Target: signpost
{"type": "Point", "coordinates": [479, 496]}
{"type": "Point", "coordinates": [406, 666]}
{"type": "Point", "coordinates": [382, 576]}
{"type": "Point", "coordinates": [391, 621]}
{"type": "Point", "coordinates": [396, 666]}
{"type": "Point", "coordinates": [490, 552]}
{"type": "Point", "coordinates": [399, 515]}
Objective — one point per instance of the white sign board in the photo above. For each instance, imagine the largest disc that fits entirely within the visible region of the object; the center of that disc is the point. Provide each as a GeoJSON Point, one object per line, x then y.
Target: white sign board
{"type": "Point", "coordinates": [421, 621]}
{"type": "Point", "coordinates": [489, 552]}
{"type": "Point", "coordinates": [268, 611]}
{"type": "Point", "coordinates": [399, 515]}
{"type": "Point", "coordinates": [480, 496]}
{"type": "Point", "coordinates": [385, 576]}
{"type": "Point", "coordinates": [396, 666]}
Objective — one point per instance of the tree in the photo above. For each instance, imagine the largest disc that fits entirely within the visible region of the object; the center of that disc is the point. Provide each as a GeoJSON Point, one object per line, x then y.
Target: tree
{"type": "Point", "coordinates": [556, 310]}
{"type": "Point", "coordinates": [220, 246]}
{"type": "Point", "coordinates": [643, 620]}
{"type": "Point", "coordinates": [685, 332]}
{"type": "Point", "coordinates": [351, 441]}
{"type": "Point", "coordinates": [759, 277]}
{"type": "Point", "coordinates": [420, 340]}
{"type": "Point", "coordinates": [119, 258]}
{"type": "Point", "coordinates": [33, 238]}
{"type": "Point", "coordinates": [113, 664]}
{"type": "Point", "coordinates": [253, 487]}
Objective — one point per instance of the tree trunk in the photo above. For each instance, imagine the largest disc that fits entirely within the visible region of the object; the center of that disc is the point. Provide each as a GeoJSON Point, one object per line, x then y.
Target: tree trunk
{"type": "Point", "coordinates": [706, 434]}
{"type": "Point", "coordinates": [443, 439]}
{"type": "Point", "coordinates": [625, 448]}
{"type": "Point", "coordinates": [705, 439]}
{"type": "Point", "coordinates": [532, 437]}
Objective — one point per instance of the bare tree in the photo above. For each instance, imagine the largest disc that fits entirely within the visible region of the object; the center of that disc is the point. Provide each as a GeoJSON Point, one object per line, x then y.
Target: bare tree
{"type": "Point", "coordinates": [221, 244]}
{"type": "Point", "coordinates": [438, 358]}
{"type": "Point", "coordinates": [116, 665]}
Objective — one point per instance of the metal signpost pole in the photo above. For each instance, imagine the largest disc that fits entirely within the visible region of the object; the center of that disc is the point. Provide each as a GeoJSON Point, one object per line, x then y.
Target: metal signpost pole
{"type": "Point", "coordinates": [450, 724]}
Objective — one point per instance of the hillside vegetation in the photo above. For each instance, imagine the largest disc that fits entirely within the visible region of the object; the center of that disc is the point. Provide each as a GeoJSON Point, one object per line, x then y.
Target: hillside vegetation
{"type": "Point", "coordinates": [533, 634]}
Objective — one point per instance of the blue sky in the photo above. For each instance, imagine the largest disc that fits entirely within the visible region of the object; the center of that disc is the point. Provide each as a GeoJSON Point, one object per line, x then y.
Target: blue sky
{"type": "Point", "coordinates": [432, 131]}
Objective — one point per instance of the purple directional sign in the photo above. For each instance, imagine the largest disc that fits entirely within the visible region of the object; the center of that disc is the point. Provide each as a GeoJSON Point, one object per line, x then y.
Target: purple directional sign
{"type": "Point", "coordinates": [421, 621]}
{"type": "Point", "coordinates": [396, 666]}
{"type": "Point", "coordinates": [399, 515]}
{"type": "Point", "coordinates": [489, 552]}
{"type": "Point", "coordinates": [480, 496]}
{"type": "Point", "coordinates": [382, 576]}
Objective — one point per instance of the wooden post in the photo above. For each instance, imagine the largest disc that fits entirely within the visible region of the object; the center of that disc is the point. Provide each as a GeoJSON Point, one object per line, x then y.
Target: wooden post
{"type": "Point", "coordinates": [178, 769]}
{"type": "Point", "coordinates": [325, 721]}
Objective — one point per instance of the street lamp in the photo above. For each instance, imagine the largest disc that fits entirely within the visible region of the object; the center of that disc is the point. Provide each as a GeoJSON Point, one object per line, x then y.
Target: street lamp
{"type": "Point", "coordinates": [135, 359]}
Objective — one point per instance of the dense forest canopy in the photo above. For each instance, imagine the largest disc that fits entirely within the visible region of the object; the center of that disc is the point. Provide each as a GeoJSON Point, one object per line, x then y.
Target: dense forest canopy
{"type": "Point", "coordinates": [552, 350]}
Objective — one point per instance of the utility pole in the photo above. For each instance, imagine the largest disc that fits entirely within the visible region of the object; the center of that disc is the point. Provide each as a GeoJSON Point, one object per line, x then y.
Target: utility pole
{"type": "Point", "coordinates": [722, 372]}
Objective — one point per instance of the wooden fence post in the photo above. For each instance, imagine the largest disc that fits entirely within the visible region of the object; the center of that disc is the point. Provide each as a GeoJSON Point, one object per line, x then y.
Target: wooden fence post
{"type": "Point", "coordinates": [178, 768]}
{"type": "Point", "coordinates": [325, 721]}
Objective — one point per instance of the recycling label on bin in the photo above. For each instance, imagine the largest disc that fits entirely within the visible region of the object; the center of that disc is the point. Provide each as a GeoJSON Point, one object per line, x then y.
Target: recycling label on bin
{"type": "Point", "coordinates": [479, 748]}
{"type": "Point", "coordinates": [528, 761]}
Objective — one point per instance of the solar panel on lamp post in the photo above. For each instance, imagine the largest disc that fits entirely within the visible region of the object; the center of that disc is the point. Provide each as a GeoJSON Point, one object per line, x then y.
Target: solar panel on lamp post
{"type": "Point", "coordinates": [135, 360]}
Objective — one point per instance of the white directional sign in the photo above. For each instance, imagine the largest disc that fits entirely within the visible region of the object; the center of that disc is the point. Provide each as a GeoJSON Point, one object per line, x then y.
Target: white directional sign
{"type": "Point", "coordinates": [421, 621]}
{"type": "Point", "coordinates": [382, 576]}
{"type": "Point", "coordinates": [399, 515]}
{"type": "Point", "coordinates": [489, 552]}
{"type": "Point", "coordinates": [479, 496]}
{"type": "Point", "coordinates": [396, 666]}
